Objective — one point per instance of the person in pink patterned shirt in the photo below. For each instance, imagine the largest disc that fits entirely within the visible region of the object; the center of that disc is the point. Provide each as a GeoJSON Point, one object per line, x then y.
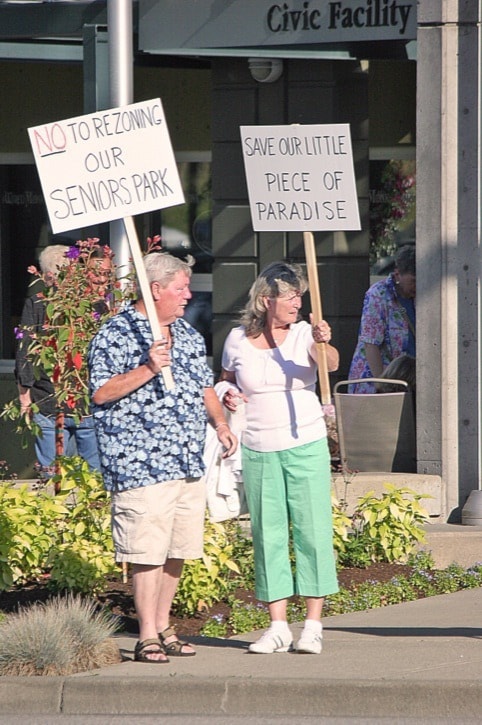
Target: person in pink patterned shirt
{"type": "Point", "coordinates": [387, 326]}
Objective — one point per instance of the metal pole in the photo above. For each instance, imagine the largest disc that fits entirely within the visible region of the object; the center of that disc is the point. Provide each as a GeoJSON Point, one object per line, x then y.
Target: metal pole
{"type": "Point", "coordinates": [121, 93]}
{"type": "Point", "coordinates": [121, 55]}
{"type": "Point", "coordinates": [121, 74]}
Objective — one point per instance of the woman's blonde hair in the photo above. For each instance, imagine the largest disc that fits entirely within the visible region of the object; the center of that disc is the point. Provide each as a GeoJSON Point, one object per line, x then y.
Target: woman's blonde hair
{"type": "Point", "coordinates": [278, 278]}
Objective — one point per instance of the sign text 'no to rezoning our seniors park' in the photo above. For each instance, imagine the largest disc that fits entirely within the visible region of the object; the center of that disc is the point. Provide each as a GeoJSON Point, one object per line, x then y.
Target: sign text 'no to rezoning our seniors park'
{"type": "Point", "coordinates": [106, 165]}
{"type": "Point", "coordinates": [300, 178]}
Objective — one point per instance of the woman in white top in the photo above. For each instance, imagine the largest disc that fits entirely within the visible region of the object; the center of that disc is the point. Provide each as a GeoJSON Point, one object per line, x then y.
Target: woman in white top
{"type": "Point", "coordinates": [271, 362]}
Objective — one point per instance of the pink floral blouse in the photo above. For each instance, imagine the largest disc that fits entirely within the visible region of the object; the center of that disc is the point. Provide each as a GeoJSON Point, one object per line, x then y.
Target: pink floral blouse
{"type": "Point", "coordinates": [383, 323]}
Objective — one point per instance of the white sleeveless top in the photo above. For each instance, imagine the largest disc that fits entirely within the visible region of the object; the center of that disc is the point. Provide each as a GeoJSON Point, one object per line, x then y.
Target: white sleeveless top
{"type": "Point", "coordinates": [283, 410]}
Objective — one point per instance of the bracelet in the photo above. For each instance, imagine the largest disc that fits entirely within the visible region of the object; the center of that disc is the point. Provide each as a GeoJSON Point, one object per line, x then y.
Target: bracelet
{"type": "Point", "coordinates": [220, 425]}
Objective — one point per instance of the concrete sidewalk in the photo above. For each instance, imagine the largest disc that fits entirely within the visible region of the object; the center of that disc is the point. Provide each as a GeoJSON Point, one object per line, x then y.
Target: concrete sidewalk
{"type": "Point", "coordinates": [420, 659]}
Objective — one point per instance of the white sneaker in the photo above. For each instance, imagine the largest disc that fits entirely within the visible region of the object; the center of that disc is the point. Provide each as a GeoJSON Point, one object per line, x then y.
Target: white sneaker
{"type": "Point", "coordinates": [310, 642]}
{"type": "Point", "coordinates": [271, 642]}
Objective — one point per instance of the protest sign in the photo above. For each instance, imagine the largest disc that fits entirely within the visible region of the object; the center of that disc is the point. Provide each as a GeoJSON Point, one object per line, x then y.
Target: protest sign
{"type": "Point", "coordinates": [106, 165]}
{"type": "Point", "coordinates": [300, 177]}
{"type": "Point", "coordinates": [109, 165]}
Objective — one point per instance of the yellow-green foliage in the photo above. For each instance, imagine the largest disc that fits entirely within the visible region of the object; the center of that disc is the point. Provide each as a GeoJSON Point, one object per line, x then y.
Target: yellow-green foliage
{"type": "Point", "coordinates": [84, 555]}
{"type": "Point", "coordinates": [393, 522]}
{"type": "Point", "coordinates": [205, 581]}
{"type": "Point", "coordinates": [67, 534]}
{"type": "Point", "coordinates": [28, 531]}
{"type": "Point", "coordinates": [341, 525]}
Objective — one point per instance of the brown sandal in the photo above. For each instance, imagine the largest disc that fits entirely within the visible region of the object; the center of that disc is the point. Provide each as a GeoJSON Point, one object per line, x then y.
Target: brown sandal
{"type": "Point", "coordinates": [149, 647]}
{"type": "Point", "coordinates": [176, 647]}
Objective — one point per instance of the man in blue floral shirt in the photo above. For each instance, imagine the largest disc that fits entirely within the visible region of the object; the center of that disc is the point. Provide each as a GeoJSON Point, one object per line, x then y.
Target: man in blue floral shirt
{"type": "Point", "coordinates": [151, 443]}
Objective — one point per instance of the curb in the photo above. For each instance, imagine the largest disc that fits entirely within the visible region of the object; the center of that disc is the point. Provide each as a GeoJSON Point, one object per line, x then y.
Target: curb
{"type": "Point", "coordinates": [239, 696]}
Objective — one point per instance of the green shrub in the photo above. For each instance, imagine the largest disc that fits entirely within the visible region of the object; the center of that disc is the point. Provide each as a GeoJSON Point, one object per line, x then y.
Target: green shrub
{"type": "Point", "coordinates": [341, 525]}
{"type": "Point", "coordinates": [358, 550]}
{"type": "Point", "coordinates": [81, 566]}
{"type": "Point", "coordinates": [216, 626]}
{"type": "Point", "coordinates": [472, 577]}
{"type": "Point", "coordinates": [67, 534]}
{"type": "Point", "coordinates": [423, 582]}
{"type": "Point", "coordinates": [242, 554]}
{"type": "Point", "coordinates": [386, 528]}
{"type": "Point", "coordinates": [248, 617]}
{"type": "Point", "coordinates": [28, 531]}
{"type": "Point", "coordinates": [455, 577]}
{"type": "Point", "coordinates": [358, 541]}
{"type": "Point", "coordinates": [421, 559]}
{"type": "Point", "coordinates": [83, 557]}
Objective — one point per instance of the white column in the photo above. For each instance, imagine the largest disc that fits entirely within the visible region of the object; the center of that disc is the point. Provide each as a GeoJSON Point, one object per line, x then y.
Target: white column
{"type": "Point", "coordinates": [448, 246]}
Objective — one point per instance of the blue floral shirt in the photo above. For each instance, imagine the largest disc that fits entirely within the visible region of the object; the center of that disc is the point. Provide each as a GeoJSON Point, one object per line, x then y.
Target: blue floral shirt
{"type": "Point", "coordinates": [151, 435]}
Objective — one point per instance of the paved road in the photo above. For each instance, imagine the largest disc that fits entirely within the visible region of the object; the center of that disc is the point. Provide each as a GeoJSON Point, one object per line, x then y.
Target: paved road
{"type": "Point", "coordinates": [225, 720]}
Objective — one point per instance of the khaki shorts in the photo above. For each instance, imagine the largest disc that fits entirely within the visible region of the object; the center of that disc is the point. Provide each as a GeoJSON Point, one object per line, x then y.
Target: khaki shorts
{"type": "Point", "coordinates": [163, 521]}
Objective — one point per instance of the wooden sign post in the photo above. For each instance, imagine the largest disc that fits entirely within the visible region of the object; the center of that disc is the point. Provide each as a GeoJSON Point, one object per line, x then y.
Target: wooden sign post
{"type": "Point", "coordinates": [315, 299]}
{"type": "Point", "coordinates": [146, 293]}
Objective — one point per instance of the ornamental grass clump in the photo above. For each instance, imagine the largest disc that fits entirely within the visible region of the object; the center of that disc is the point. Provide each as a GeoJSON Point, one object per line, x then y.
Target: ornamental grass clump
{"type": "Point", "coordinates": [62, 637]}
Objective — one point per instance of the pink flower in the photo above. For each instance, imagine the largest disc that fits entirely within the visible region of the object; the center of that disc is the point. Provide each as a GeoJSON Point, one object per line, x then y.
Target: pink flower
{"type": "Point", "coordinates": [154, 243]}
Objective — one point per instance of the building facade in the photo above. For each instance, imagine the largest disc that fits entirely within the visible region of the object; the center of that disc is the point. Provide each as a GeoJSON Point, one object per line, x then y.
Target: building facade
{"type": "Point", "coordinates": [390, 70]}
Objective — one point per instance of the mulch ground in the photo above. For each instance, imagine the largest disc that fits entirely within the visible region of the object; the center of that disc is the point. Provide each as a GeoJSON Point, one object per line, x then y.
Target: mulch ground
{"type": "Point", "coordinates": [118, 597]}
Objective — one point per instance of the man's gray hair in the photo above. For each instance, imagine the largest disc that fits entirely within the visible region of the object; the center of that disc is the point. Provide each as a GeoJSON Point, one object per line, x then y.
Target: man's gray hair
{"type": "Point", "coordinates": [162, 267]}
{"type": "Point", "coordinates": [52, 258]}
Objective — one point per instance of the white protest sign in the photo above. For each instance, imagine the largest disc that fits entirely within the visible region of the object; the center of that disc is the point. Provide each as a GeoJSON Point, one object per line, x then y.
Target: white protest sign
{"type": "Point", "coordinates": [106, 165]}
{"type": "Point", "coordinates": [300, 178]}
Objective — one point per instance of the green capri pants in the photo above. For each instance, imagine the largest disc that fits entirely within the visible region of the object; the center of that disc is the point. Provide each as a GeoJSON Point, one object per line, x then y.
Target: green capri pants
{"type": "Point", "coordinates": [283, 487]}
